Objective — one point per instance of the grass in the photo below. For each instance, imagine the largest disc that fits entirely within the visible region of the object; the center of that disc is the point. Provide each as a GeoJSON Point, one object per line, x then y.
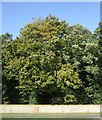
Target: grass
{"type": "Point", "coordinates": [45, 119]}
{"type": "Point", "coordinates": [61, 116]}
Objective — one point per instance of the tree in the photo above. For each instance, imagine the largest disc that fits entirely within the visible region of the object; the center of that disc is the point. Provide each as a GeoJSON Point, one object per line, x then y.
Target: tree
{"type": "Point", "coordinates": [52, 63]}
{"type": "Point", "coordinates": [82, 52]}
{"type": "Point", "coordinates": [10, 94]}
{"type": "Point", "coordinates": [98, 36]}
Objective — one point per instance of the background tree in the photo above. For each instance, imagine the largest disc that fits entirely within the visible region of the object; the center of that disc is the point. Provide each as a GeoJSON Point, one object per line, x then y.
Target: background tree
{"type": "Point", "coordinates": [83, 56]}
{"type": "Point", "coordinates": [98, 36]}
{"type": "Point", "coordinates": [10, 94]}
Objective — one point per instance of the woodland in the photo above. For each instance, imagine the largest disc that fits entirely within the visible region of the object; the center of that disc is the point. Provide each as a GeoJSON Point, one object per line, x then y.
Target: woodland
{"type": "Point", "coordinates": [52, 62]}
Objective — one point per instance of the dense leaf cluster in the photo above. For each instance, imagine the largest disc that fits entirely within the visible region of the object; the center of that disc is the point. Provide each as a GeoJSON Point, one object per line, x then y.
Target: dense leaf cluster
{"type": "Point", "coordinates": [52, 62]}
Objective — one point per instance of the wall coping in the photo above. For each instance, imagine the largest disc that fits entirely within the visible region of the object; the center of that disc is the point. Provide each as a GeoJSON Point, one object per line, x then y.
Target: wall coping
{"type": "Point", "coordinates": [34, 109]}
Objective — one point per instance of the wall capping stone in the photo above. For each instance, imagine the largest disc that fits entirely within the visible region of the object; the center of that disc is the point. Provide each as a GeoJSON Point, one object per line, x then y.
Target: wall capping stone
{"type": "Point", "coordinates": [49, 109]}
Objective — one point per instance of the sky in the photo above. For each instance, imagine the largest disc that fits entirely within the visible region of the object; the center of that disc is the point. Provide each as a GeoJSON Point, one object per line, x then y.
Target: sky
{"type": "Point", "coordinates": [15, 15]}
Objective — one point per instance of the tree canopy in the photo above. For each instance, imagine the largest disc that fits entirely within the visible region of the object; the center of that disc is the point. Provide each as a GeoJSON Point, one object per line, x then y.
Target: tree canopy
{"type": "Point", "coordinates": [52, 62]}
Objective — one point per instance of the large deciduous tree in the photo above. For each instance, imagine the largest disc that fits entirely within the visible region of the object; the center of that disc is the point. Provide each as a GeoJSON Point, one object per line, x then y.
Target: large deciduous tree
{"type": "Point", "coordinates": [52, 63]}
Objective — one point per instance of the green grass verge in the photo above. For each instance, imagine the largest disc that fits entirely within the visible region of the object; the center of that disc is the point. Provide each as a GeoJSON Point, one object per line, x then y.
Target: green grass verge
{"type": "Point", "coordinates": [45, 119]}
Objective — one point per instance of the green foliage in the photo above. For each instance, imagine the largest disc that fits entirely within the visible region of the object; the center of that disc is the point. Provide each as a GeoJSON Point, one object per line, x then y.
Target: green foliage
{"type": "Point", "coordinates": [8, 78]}
{"type": "Point", "coordinates": [33, 98]}
{"type": "Point", "coordinates": [98, 35]}
{"type": "Point", "coordinates": [52, 63]}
